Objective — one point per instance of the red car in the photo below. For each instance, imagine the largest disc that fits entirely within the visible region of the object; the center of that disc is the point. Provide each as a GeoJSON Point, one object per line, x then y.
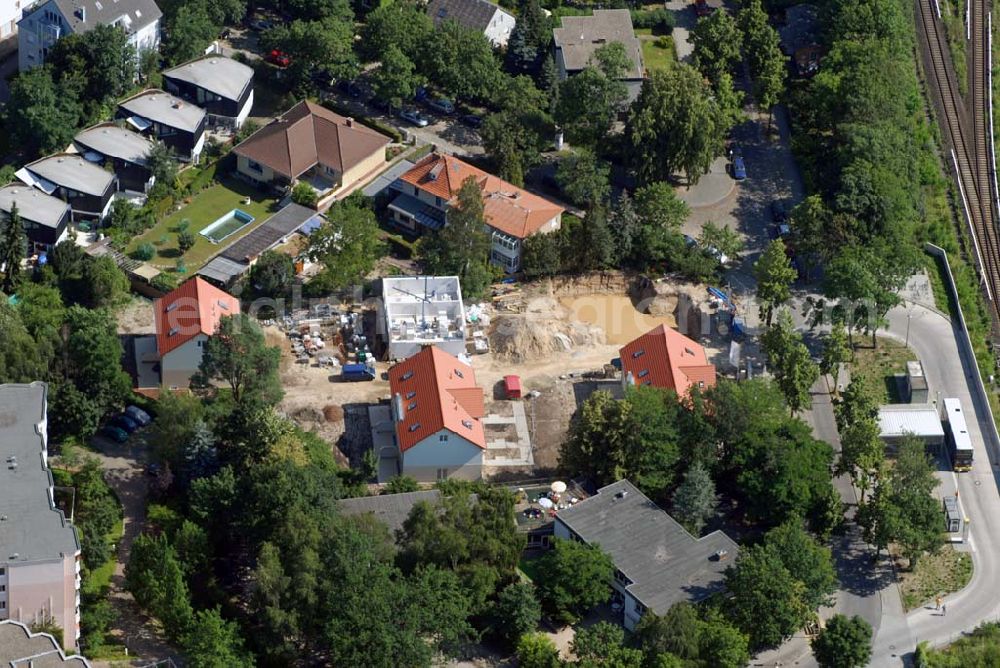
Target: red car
{"type": "Point", "coordinates": [701, 8]}
{"type": "Point", "coordinates": [279, 58]}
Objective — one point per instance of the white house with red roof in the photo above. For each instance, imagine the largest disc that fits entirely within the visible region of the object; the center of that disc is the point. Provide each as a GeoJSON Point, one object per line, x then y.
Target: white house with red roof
{"type": "Point", "coordinates": [425, 193]}
{"type": "Point", "coordinates": [185, 318]}
{"type": "Point", "coordinates": [437, 412]}
{"type": "Point", "coordinates": [665, 358]}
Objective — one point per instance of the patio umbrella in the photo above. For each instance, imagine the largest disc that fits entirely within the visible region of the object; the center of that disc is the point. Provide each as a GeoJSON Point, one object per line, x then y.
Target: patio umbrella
{"type": "Point", "coordinates": [545, 502]}
{"type": "Point", "coordinates": [558, 487]}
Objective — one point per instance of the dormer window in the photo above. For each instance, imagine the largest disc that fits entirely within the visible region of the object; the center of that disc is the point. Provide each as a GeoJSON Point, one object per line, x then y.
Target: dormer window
{"type": "Point", "coordinates": [459, 373]}
{"type": "Point", "coordinates": [411, 394]}
{"type": "Point", "coordinates": [637, 354]}
{"type": "Point", "coordinates": [415, 426]}
{"type": "Point", "coordinates": [643, 373]}
{"type": "Point", "coordinates": [406, 376]}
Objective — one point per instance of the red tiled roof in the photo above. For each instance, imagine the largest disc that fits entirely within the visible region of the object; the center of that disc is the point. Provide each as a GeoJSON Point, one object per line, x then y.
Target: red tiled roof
{"type": "Point", "coordinates": [665, 358]}
{"type": "Point", "coordinates": [308, 134]}
{"type": "Point", "coordinates": [443, 394]}
{"type": "Point", "coordinates": [193, 308]}
{"type": "Point", "coordinates": [510, 209]}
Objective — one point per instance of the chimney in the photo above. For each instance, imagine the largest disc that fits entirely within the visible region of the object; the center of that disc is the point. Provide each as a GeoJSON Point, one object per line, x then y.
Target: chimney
{"type": "Point", "coordinates": [82, 13]}
{"type": "Point", "coordinates": [349, 122]}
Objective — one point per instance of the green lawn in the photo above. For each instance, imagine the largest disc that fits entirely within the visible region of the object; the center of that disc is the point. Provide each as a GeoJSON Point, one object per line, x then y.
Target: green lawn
{"type": "Point", "coordinates": [204, 209]}
{"type": "Point", "coordinates": [881, 366]}
{"type": "Point", "coordinates": [941, 573]}
{"type": "Point", "coordinates": [654, 56]}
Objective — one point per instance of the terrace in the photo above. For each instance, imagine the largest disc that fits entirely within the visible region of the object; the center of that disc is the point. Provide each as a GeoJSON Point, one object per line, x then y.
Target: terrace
{"type": "Point", "coordinates": [203, 211]}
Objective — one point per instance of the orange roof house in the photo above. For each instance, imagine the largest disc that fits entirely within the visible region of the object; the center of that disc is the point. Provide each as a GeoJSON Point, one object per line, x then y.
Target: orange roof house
{"type": "Point", "coordinates": [437, 410]}
{"type": "Point", "coordinates": [185, 318]}
{"type": "Point", "coordinates": [431, 186]}
{"type": "Point", "coordinates": [665, 358]}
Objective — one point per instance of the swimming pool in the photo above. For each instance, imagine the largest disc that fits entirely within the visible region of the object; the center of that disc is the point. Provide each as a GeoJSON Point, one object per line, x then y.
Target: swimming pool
{"type": "Point", "coordinates": [228, 224]}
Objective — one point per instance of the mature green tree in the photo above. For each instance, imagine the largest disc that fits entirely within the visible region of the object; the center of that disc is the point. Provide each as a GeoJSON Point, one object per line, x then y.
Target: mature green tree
{"type": "Point", "coordinates": [238, 355]}
{"type": "Point", "coordinates": [603, 645]}
{"type": "Point", "coordinates": [612, 60]}
{"type": "Point", "coordinates": [810, 221]}
{"type": "Point", "coordinates": [584, 179]}
{"type": "Point", "coordinates": [107, 285]}
{"type": "Point", "coordinates": [790, 362]}
{"type": "Point", "coordinates": [403, 25]}
{"type": "Point", "coordinates": [677, 632]}
{"type": "Point", "coordinates": [720, 643]}
{"type": "Point", "coordinates": [93, 365]}
{"type": "Point", "coordinates": [807, 560]}
{"type": "Point", "coordinates": [189, 32]}
{"type": "Point", "coordinates": [462, 246]}
{"type": "Point", "coordinates": [461, 61]}
{"type": "Point", "coordinates": [862, 451]}
{"type": "Point", "coordinates": [767, 600]}
{"type": "Point", "coordinates": [163, 167]}
{"type": "Point", "coordinates": [774, 274]}
{"type": "Point", "coordinates": [347, 245]}
{"type": "Point", "coordinates": [102, 57]}
{"type": "Point", "coordinates": [40, 116]}
{"type": "Point", "coordinates": [573, 578]}
{"type": "Point", "coordinates": [587, 106]}
{"type": "Point", "coordinates": [13, 249]}
{"type": "Point", "coordinates": [177, 418]}
{"type": "Point", "coordinates": [97, 512]}
{"type": "Point", "coordinates": [694, 500]}
{"type": "Point", "coordinates": [324, 44]}
{"type": "Point", "coordinates": [717, 44]}
{"type": "Point", "coordinates": [536, 650]}
{"type": "Point", "coordinates": [662, 214]}
{"type": "Point", "coordinates": [721, 237]}
{"type": "Point", "coordinates": [516, 611]}
{"type": "Point", "coordinates": [41, 309]}
{"type": "Point", "coordinates": [213, 642]}
{"type": "Point", "coordinates": [591, 244]}
{"type": "Point", "coordinates": [836, 350]}
{"type": "Point", "coordinates": [913, 483]}
{"type": "Point", "coordinates": [845, 642]}
{"type": "Point", "coordinates": [530, 39]}
{"type": "Point", "coordinates": [541, 255]}
{"type": "Point", "coordinates": [515, 136]}
{"type": "Point", "coordinates": [395, 81]}
{"type": "Point", "coordinates": [273, 274]}
{"type": "Point", "coordinates": [675, 125]}
{"type": "Point", "coordinates": [156, 580]}
{"type": "Point", "coordinates": [866, 281]}
{"type": "Point", "coordinates": [316, 10]}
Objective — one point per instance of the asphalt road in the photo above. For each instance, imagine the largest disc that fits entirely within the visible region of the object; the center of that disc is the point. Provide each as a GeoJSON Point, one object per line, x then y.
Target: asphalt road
{"type": "Point", "coordinates": [950, 374]}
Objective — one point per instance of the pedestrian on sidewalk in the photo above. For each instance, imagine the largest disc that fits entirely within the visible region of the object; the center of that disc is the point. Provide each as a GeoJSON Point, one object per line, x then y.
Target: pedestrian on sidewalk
{"type": "Point", "coordinates": [937, 603]}
{"type": "Point", "coordinates": [944, 610]}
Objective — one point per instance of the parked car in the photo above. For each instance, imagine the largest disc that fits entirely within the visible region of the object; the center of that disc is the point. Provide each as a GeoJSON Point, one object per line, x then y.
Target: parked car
{"type": "Point", "coordinates": [139, 415]}
{"type": "Point", "coordinates": [441, 105]}
{"type": "Point", "coordinates": [779, 213]}
{"type": "Point", "coordinates": [114, 433]}
{"type": "Point", "coordinates": [718, 254]}
{"type": "Point", "coordinates": [279, 58]}
{"type": "Point", "coordinates": [413, 116]}
{"type": "Point", "coordinates": [125, 423]}
{"type": "Point", "coordinates": [690, 241]}
{"type": "Point", "coordinates": [472, 120]}
{"type": "Point", "coordinates": [739, 168]}
{"type": "Point", "coordinates": [261, 24]}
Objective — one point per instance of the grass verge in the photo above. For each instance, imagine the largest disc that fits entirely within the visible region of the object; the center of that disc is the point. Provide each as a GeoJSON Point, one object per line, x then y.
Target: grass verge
{"type": "Point", "coordinates": [937, 574]}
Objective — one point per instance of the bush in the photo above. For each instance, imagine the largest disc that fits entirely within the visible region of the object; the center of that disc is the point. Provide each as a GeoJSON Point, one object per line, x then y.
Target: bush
{"type": "Point", "coordinates": [185, 240]}
{"type": "Point", "coordinates": [304, 194]}
{"type": "Point", "coordinates": [164, 281]}
{"type": "Point", "coordinates": [660, 21]}
{"type": "Point", "coordinates": [144, 252]}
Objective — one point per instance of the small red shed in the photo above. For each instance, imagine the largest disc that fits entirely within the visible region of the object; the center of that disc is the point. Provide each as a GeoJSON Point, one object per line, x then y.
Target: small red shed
{"type": "Point", "coordinates": [512, 387]}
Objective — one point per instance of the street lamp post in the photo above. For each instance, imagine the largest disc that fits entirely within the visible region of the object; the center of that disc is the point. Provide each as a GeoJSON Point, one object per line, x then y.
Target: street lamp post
{"type": "Point", "coordinates": [908, 316]}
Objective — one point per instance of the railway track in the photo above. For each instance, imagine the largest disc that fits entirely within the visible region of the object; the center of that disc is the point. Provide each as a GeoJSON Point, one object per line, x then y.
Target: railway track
{"type": "Point", "coordinates": [966, 129]}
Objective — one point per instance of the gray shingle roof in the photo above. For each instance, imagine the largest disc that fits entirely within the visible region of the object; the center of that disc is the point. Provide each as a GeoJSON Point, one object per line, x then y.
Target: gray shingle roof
{"type": "Point", "coordinates": [390, 509]}
{"type": "Point", "coordinates": [217, 74]}
{"type": "Point", "coordinates": [665, 563]}
{"type": "Point", "coordinates": [164, 108]}
{"type": "Point", "coordinates": [580, 36]}
{"type": "Point", "coordinates": [19, 648]}
{"type": "Point", "coordinates": [273, 230]}
{"type": "Point", "coordinates": [130, 14]}
{"type": "Point", "coordinates": [33, 530]}
{"type": "Point", "coordinates": [73, 172]}
{"type": "Point", "coordinates": [472, 14]}
{"type": "Point", "coordinates": [33, 204]}
{"type": "Point", "coordinates": [113, 141]}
